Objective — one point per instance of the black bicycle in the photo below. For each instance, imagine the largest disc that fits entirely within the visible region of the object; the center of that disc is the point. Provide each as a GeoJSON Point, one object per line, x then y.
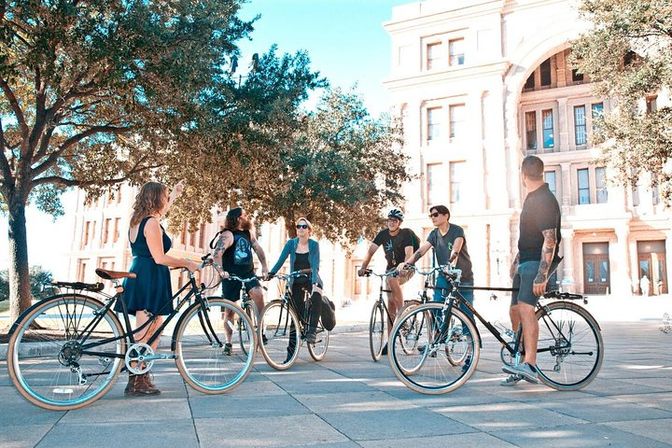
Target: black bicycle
{"type": "Point", "coordinates": [569, 352]}
{"type": "Point", "coordinates": [286, 331]}
{"type": "Point", "coordinates": [380, 316]}
{"type": "Point", "coordinates": [66, 351]}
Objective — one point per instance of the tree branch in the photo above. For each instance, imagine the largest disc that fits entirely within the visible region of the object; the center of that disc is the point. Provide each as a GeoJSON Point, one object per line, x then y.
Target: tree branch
{"type": "Point", "coordinates": [20, 118]}
{"type": "Point", "coordinates": [62, 181]}
{"type": "Point", "coordinates": [53, 157]}
{"type": "Point", "coordinates": [4, 163]}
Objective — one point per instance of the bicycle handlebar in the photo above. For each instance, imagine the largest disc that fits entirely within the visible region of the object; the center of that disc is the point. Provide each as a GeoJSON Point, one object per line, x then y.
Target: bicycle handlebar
{"type": "Point", "coordinates": [449, 271]}
{"type": "Point", "coordinates": [390, 273]}
{"type": "Point", "coordinates": [294, 274]}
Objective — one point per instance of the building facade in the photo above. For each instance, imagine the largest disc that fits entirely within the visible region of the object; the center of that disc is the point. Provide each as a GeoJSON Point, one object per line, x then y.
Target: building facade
{"type": "Point", "coordinates": [481, 84]}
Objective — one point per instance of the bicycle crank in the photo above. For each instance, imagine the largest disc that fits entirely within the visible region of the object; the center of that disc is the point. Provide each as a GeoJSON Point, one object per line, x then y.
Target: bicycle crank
{"type": "Point", "coordinates": [139, 358]}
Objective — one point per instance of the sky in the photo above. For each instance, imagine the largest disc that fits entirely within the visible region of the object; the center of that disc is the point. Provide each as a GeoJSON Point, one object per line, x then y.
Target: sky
{"type": "Point", "coordinates": [346, 44]}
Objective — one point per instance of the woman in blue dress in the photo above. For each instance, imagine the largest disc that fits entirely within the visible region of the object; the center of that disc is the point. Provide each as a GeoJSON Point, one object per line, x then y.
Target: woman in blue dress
{"type": "Point", "coordinates": [150, 293]}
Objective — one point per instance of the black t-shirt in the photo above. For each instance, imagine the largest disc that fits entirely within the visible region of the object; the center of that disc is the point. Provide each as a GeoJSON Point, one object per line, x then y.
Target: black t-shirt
{"type": "Point", "coordinates": [394, 246]}
{"type": "Point", "coordinates": [540, 212]}
{"type": "Point", "coordinates": [237, 259]}
{"type": "Point", "coordinates": [443, 247]}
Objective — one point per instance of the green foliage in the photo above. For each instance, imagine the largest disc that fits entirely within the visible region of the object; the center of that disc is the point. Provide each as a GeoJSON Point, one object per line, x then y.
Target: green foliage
{"type": "Point", "coordinates": [39, 279]}
{"type": "Point", "coordinates": [628, 54]}
{"type": "Point", "coordinates": [341, 167]}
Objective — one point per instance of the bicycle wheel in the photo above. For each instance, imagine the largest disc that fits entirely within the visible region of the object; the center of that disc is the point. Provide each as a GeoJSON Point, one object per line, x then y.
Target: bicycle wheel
{"type": "Point", "coordinates": [570, 348]}
{"type": "Point", "coordinates": [377, 331]}
{"type": "Point", "coordinates": [321, 345]}
{"type": "Point", "coordinates": [62, 354]}
{"type": "Point", "coordinates": [428, 370]}
{"type": "Point", "coordinates": [250, 309]}
{"type": "Point", "coordinates": [281, 325]}
{"type": "Point", "coordinates": [199, 347]}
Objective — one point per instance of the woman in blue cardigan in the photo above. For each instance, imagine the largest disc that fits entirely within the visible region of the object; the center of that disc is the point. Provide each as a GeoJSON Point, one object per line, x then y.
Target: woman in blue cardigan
{"type": "Point", "coordinates": [304, 255]}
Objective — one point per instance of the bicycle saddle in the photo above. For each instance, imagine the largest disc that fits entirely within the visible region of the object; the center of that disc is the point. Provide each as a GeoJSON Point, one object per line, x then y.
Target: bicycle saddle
{"type": "Point", "coordinates": [113, 275]}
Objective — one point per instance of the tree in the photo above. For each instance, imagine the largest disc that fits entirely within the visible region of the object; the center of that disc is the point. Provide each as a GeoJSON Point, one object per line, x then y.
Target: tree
{"type": "Point", "coordinates": [96, 93]}
{"type": "Point", "coordinates": [628, 54]}
{"type": "Point", "coordinates": [39, 278]}
{"type": "Point", "coordinates": [341, 167]}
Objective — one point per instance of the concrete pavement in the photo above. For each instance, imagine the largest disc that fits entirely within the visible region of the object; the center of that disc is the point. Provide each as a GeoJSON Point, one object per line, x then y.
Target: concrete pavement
{"type": "Point", "coordinates": [349, 401]}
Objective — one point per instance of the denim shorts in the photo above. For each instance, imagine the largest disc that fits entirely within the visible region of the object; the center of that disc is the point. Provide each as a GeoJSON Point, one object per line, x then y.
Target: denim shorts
{"type": "Point", "coordinates": [524, 280]}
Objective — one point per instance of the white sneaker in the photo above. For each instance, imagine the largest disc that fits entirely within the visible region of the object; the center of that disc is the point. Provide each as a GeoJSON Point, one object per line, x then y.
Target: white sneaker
{"type": "Point", "coordinates": [527, 371]}
{"type": "Point", "coordinates": [511, 380]}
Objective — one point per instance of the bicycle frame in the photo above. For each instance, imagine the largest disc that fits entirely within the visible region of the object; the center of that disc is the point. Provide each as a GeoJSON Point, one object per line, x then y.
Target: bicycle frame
{"type": "Point", "coordinates": [194, 291]}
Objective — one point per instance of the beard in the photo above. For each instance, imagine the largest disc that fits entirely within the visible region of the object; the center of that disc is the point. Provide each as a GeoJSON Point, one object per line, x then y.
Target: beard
{"type": "Point", "coordinates": [246, 224]}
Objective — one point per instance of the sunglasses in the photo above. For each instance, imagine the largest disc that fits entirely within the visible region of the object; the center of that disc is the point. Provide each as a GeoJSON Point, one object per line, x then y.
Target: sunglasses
{"type": "Point", "coordinates": [434, 215]}
{"type": "Point", "coordinates": [302, 226]}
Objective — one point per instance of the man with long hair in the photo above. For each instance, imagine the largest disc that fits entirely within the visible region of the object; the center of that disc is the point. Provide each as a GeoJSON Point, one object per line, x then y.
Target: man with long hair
{"type": "Point", "coordinates": [235, 246]}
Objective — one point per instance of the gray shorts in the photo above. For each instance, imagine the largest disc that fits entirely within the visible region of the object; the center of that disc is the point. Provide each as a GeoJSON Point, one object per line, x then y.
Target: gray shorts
{"type": "Point", "coordinates": [523, 280]}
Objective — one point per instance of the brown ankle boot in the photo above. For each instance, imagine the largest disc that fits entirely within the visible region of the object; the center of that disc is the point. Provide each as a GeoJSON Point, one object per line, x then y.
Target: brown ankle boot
{"type": "Point", "coordinates": [141, 385]}
{"type": "Point", "coordinates": [130, 386]}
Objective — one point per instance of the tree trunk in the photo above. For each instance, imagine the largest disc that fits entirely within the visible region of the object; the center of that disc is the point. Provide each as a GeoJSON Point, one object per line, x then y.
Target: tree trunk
{"type": "Point", "coordinates": [19, 277]}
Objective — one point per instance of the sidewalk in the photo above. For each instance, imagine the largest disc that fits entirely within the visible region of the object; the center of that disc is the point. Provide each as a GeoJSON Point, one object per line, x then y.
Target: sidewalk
{"type": "Point", "coordinates": [349, 401]}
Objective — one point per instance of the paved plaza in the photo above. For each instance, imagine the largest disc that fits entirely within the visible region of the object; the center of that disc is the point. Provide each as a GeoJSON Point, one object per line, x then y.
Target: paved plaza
{"type": "Point", "coordinates": [350, 401]}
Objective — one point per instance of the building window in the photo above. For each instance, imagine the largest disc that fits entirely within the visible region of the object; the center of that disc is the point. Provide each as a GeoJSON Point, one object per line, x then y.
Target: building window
{"type": "Point", "coordinates": [545, 72]}
{"type": "Point", "coordinates": [433, 183]}
{"type": "Point", "coordinates": [547, 120]}
{"type": "Point", "coordinates": [81, 270]}
{"type": "Point", "coordinates": [192, 239]}
{"type": "Point", "coordinates": [201, 236]}
{"type": "Point", "coordinates": [550, 179]}
{"type": "Point", "coordinates": [433, 123]}
{"type": "Point", "coordinates": [601, 185]}
{"type": "Point", "coordinates": [580, 125]}
{"type": "Point", "coordinates": [106, 230]}
{"type": "Point", "coordinates": [576, 76]}
{"type": "Point", "coordinates": [584, 185]}
{"type": "Point", "coordinates": [456, 52]}
{"type": "Point", "coordinates": [651, 104]}
{"type": "Point", "coordinates": [529, 84]}
{"type": "Point", "coordinates": [434, 55]}
{"type": "Point", "coordinates": [456, 182]}
{"type": "Point", "coordinates": [183, 235]}
{"type": "Point", "coordinates": [85, 234]}
{"type": "Point", "coordinates": [531, 130]}
{"type": "Point", "coordinates": [456, 122]}
{"type": "Point", "coordinates": [117, 224]}
{"type": "Point", "coordinates": [655, 194]}
{"type": "Point", "coordinates": [635, 195]}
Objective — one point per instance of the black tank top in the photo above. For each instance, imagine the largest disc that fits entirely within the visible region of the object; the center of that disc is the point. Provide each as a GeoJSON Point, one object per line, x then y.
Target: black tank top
{"type": "Point", "coordinates": [237, 259]}
{"type": "Point", "coordinates": [302, 262]}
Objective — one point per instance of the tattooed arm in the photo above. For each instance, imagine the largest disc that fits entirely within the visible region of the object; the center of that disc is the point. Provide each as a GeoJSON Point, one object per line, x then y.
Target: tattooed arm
{"type": "Point", "coordinates": [547, 252]}
{"type": "Point", "coordinates": [224, 241]}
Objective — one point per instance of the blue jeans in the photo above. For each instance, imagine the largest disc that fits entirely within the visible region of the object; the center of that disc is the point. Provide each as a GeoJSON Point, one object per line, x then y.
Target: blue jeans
{"type": "Point", "coordinates": [468, 295]}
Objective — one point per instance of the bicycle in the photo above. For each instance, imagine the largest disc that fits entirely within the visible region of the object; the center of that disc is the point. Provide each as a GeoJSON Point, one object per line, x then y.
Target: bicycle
{"type": "Point", "coordinates": [570, 347]}
{"type": "Point", "coordinates": [66, 351]}
{"type": "Point", "coordinates": [280, 321]}
{"type": "Point", "coordinates": [377, 333]}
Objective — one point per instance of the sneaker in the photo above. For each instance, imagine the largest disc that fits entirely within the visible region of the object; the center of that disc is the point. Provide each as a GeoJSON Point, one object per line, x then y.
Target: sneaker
{"type": "Point", "coordinates": [384, 352]}
{"type": "Point", "coordinates": [527, 371]}
{"type": "Point", "coordinates": [228, 349]}
{"type": "Point", "coordinates": [264, 339]}
{"type": "Point", "coordinates": [511, 380]}
{"type": "Point", "coordinates": [311, 337]}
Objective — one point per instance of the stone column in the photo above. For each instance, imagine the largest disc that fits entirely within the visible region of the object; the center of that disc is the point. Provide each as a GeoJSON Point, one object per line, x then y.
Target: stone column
{"type": "Point", "coordinates": [619, 262]}
{"type": "Point", "coordinates": [568, 263]}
